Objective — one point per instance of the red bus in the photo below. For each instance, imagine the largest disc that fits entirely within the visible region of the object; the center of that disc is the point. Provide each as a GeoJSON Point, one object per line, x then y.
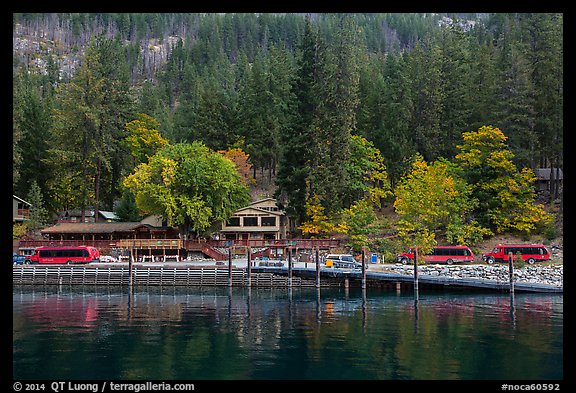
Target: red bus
{"type": "Point", "coordinates": [530, 253]}
{"type": "Point", "coordinates": [67, 255]}
{"type": "Point", "coordinates": [441, 254]}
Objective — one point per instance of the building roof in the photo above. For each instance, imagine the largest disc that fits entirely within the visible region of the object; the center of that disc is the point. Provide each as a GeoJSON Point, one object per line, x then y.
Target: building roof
{"type": "Point", "coordinates": [21, 200]}
{"type": "Point", "coordinates": [262, 200]}
{"type": "Point", "coordinates": [108, 215]}
{"type": "Point", "coordinates": [257, 209]}
{"type": "Point", "coordinates": [94, 227]}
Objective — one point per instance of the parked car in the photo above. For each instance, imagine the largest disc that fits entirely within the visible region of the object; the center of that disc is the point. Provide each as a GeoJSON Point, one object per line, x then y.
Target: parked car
{"type": "Point", "coordinates": [108, 258]}
{"type": "Point", "coordinates": [18, 259]}
{"type": "Point", "coordinates": [343, 261]}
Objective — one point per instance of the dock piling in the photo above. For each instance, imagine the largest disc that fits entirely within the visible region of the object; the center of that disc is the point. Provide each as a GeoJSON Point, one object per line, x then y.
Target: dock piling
{"type": "Point", "coordinates": [249, 266]}
{"type": "Point", "coordinates": [229, 266]}
{"type": "Point", "coordinates": [317, 269]}
{"type": "Point", "coordinates": [363, 268]}
{"type": "Point", "coordinates": [416, 269]}
{"type": "Point", "coordinates": [130, 268]}
{"type": "Point", "coordinates": [511, 271]}
{"type": "Point", "coordinates": [290, 267]}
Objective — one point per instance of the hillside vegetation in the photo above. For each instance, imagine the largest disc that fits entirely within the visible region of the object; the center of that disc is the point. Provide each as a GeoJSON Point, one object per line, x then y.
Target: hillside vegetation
{"type": "Point", "coordinates": [339, 114]}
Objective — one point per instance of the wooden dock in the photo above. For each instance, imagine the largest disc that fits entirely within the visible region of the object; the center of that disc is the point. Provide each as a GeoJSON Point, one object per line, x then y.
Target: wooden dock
{"type": "Point", "coordinates": [375, 278]}
{"type": "Point", "coordinates": [259, 276]}
{"type": "Point", "coordinates": [149, 275]}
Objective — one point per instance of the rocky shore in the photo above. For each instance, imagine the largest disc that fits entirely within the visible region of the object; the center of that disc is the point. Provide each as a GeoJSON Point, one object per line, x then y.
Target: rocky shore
{"type": "Point", "coordinates": [551, 275]}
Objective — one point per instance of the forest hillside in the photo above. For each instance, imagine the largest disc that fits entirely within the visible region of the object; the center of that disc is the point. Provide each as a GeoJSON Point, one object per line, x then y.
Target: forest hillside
{"type": "Point", "coordinates": [334, 114]}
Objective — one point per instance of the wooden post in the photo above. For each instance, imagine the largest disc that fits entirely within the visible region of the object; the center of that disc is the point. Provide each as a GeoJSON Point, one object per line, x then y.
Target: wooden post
{"type": "Point", "coordinates": [416, 269]}
{"type": "Point", "coordinates": [249, 266]}
{"type": "Point", "coordinates": [229, 266]}
{"type": "Point", "coordinates": [317, 269]}
{"type": "Point", "coordinates": [363, 268]}
{"type": "Point", "coordinates": [130, 269]}
{"type": "Point", "coordinates": [290, 267]}
{"type": "Point", "coordinates": [511, 271]}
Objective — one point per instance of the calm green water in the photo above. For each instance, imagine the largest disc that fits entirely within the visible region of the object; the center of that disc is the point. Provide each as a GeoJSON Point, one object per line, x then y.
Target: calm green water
{"type": "Point", "coordinates": [220, 333]}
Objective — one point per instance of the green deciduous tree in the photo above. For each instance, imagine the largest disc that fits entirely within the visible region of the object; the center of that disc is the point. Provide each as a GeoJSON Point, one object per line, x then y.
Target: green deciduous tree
{"type": "Point", "coordinates": [357, 223]}
{"type": "Point", "coordinates": [190, 185]}
{"type": "Point", "coordinates": [367, 173]}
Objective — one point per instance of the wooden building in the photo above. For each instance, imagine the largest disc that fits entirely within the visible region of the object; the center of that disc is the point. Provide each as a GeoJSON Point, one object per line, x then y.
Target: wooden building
{"type": "Point", "coordinates": [544, 178]}
{"type": "Point", "coordinates": [20, 209]}
{"type": "Point", "coordinates": [261, 220]}
{"type": "Point", "coordinates": [110, 236]}
{"type": "Point", "coordinates": [75, 215]}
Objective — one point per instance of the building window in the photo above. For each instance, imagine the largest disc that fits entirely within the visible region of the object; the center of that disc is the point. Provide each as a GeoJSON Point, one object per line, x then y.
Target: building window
{"type": "Point", "coordinates": [233, 222]}
{"type": "Point", "coordinates": [250, 221]}
{"type": "Point", "coordinates": [268, 221]}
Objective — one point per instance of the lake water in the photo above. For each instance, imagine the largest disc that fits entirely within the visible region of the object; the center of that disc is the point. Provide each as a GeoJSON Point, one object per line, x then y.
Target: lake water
{"type": "Point", "coordinates": [218, 333]}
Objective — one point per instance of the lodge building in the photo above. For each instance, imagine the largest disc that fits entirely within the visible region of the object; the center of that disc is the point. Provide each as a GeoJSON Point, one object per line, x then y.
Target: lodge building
{"type": "Point", "coordinates": [261, 225]}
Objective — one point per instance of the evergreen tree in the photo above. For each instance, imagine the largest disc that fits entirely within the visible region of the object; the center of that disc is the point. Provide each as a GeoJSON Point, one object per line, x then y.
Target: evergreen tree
{"type": "Point", "coordinates": [32, 123]}
{"type": "Point", "coordinates": [296, 141]}
{"type": "Point", "coordinates": [336, 90]}
{"type": "Point", "coordinates": [93, 109]}
{"type": "Point", "coordinates": [427, 88]}
{"type": "Point", "coordinates": [545, 33]}
{"type": "Point", "coordinates": [127, 210]}
{"type": "Point", "coordinates": [514, 110]}
{"type": "Point", "coordinates": [39, 215]}
{"type": "Point", "coordinates": [257, 124]}
{"type": "Point", "coordinates": [484, 84]}
{"type": "Point", "coordinates": [457, 88]}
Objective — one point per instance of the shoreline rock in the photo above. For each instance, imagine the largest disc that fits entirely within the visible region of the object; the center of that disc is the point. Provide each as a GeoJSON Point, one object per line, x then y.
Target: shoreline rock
{"type": "Point", "coordinates": [551, 275]}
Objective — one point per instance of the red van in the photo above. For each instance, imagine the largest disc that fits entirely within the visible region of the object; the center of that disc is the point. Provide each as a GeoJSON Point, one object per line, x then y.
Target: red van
{"type": "Point", "coordinates": [441, 254]}
{"type": "Point", "coordinates": [67, 255]}
{"type": "Point", "coordinates": [530, 253]}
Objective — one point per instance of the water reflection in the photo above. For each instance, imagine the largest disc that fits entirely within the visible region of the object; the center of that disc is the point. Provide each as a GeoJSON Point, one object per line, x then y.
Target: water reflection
{"type": "Point", "coordinates": [292, 333]}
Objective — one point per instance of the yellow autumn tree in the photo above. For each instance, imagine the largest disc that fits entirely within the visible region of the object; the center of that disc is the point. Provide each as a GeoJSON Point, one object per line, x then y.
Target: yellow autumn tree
{"type": "Point", "coordinates": [506, 195]}
{"type": "Point", "coordinates": [318, 224]}
{"type": "Point", "coordinates": [143, 138]}
{"type": "Point", "coordinates": [435, 198]}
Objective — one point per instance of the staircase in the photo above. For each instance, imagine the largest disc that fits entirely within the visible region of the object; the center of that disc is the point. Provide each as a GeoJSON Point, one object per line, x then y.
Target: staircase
{"type": "Point", "coordinates": [213, 253]}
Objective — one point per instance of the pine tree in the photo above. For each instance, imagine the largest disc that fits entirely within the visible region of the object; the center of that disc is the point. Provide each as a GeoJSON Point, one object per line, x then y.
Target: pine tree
{"type": "Point", "coordinates": [32, 123]}
{"type": "Point", "coordinates": [89, 124]}
{"type": "Point", "coordinates": [457, 89]}
{"type": "Point", "coordinates": [547, 77]}
{"type": "Point", "coordinates": [296, 141]}
{"type": "Point", "coordinates": [428, 99]}
{"type": "Point", "coordinates": [336, 89]}
{"type": "Point", "coordinates": [514, 111]}
{"type": "Point", "coordinates": [38, 213]}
